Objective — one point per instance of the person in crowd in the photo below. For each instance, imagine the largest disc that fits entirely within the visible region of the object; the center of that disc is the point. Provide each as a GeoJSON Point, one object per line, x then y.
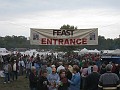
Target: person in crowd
{"type": "Point", "coordinates": [28, 68]}
{"type": "Point", "coordinates": [33, 79]}
{"type": "Point", "coordinates": [63, 85]}
{"type": "Point", "coordinates": [91, 81]}
{"type": "Point", "coordinates": [43, 67]}
{"type": "Point", "coordinates": [36, 65]}
{"type": "Point", "coordinates": [60, 67]}
{"type": "Point", "coordinates": [43, 81]}
{"type": "Point", "coordinates": [53, 79]}
{"type": "Point", "coordinates": [49, 69]}
{"type": "Point", "coordinates": [109, 80]}
{"type": "Point", "coordinates": [53, 66]}
{"type": "Point", "coordinates": [103, 69]}
{"type": "Point", "coordinates": [81, 63]}
{"type": "Point", "coordinates": [7, 69]}
{"type": "Point", "coordinates": [118, 70]}
{"type": "Point", "coordinates": [1, 62]}
{"type": "Point", "coordinates": [90, 67]}
{"type": "Point", "coordinates": [70, 68]}
{"type": "Point", "coordinates": [31, 59]}
{"type": "Point", "coordinates": [75, 81]}
{"type": "Point", "coordinates": [15, 70]}
{"type": "Point", "coordinates": [115, 69]}
{"type": "Point", "coordinates": [21, 65]}
{"type": "Point", "coordinates": [68, 73]}
{"type": "Point", "coordinates": [84, 74]}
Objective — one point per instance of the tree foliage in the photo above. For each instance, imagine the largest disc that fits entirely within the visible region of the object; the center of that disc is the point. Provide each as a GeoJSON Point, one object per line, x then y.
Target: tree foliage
{"type": "Point", "coordinates": [68, 27]}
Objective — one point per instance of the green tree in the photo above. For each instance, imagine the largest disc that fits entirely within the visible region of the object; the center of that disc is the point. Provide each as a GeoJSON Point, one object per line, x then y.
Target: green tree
{"type": "Point", "coordinates": [117, 43]}
{"type": "Point", "coordinates": [68, 27]}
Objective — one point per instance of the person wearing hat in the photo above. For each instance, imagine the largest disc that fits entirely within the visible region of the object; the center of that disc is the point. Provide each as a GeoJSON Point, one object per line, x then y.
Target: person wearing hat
{"type": "Point", "coordinates": [109, 80]}
{"type": "Point", "coordinates": [53, 79]}
{"type": "Point", "coordinates": [91, 81]}
{"type": "Point", "coordinates": [15, 70]}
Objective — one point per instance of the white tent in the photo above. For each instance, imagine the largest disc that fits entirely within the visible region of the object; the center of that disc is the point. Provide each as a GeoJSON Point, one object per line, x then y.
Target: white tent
{"type": "Point", "coordinates": [96, 51]}
{"type": "Point", "coordinates": [83, 51]}
{"type": "Point", "coordinates": [93, 51]}
{"type": "Point", "coordinates": [108, 51]}
{"type": "Point", "coordinates": [4, 51]}
{"type": "Point", "coordinates": [30, 52]}
{"type": "Point", "coordinates": [76, 51]}
{"type": "Point", "coordinates": [116, 52]}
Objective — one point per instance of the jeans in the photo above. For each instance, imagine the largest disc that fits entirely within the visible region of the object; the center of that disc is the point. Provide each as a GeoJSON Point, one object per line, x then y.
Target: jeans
{"type": "Point", "coordinates": [7, 77]}
{"type": "Point", "coordinates": [21, 70]}
{"type": "Point", "coordinates": [15, 75]}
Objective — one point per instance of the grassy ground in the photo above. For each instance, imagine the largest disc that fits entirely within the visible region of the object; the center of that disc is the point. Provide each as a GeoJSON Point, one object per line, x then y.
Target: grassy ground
{"type": "Point", "coordinates": [21, 84]}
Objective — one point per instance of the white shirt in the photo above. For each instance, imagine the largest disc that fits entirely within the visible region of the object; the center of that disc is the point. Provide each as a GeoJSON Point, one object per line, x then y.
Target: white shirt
{"type": "Point", "coordinates": [59, 68]}
{"type": "Point", "coordinates": [14, 67]}
{"type": "Point", "coordinates": [21, 63]}
{"type": "Point", "coordinates": [89, 70]}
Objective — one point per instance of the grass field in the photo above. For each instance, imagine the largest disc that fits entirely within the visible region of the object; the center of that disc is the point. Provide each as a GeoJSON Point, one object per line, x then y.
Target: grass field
{"type": "Point", "coordinates": [21, 84]}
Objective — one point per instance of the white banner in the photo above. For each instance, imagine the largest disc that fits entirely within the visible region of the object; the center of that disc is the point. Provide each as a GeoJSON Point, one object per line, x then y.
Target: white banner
{"type": "Point", "coordinates": [64, 37]}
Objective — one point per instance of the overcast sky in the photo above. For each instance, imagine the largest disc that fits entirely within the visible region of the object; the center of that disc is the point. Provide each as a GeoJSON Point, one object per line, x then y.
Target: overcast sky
{"type": "Point", "coordinates": [18, 16]}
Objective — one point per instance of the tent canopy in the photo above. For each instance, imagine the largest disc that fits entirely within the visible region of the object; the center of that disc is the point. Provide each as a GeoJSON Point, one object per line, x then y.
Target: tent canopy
{"type": "Point", "coordinates": [83, 51]}
{"type": "Point", "coordinates": [4, 51]}
{"type": "Point", "coordinates": [117, 52]}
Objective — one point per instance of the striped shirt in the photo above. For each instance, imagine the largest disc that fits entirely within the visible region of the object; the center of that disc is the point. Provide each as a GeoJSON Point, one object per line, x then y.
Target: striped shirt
{"type": "Point", "coordinates": [109, 81]}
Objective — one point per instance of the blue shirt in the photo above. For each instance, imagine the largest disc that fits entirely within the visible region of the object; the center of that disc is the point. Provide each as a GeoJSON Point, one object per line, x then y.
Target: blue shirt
{"type": "Point", "coordinates": [75, 82]}
{"type": "Point", "coordinates": [53, 77]}
{"type": "Point", "coordinates": [49, 69]}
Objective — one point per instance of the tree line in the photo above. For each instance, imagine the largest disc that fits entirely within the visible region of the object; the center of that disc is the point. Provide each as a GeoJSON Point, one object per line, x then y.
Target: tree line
{"type": "Point", "coordinates": [22, 42]}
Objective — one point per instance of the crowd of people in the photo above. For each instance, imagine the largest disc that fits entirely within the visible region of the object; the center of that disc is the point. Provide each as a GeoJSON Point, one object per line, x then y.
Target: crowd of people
{"type": "Point", "coordinates": [73, 72]}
